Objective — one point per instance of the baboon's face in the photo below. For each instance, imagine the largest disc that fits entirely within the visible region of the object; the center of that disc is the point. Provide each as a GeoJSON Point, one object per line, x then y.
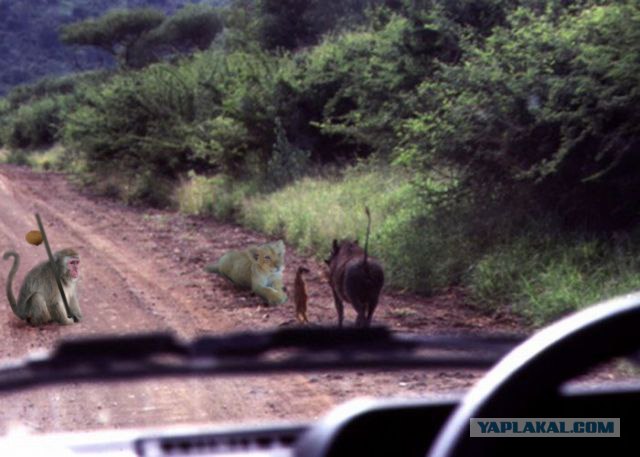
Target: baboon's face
{"type": "Point", "coordinates": [73, 266]}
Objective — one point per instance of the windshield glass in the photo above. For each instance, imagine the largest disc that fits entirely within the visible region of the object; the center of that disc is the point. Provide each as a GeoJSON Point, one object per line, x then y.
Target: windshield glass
{"type": "Point", "coordinates": [208, 167]}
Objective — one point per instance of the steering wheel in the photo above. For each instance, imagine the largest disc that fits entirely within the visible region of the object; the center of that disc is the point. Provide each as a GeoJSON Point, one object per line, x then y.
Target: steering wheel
{"type": "Point", "coordinates": [532, 373]}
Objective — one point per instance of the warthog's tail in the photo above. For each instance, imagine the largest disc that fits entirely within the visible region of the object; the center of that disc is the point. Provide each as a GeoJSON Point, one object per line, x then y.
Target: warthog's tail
{"type": "Point", "coordinates": [366, 241]}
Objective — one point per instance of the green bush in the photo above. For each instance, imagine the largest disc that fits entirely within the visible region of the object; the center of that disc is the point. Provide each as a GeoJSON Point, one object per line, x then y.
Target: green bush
{"type": "Point", "coordinates": [352, 86]}
{"type": "Point", "coordinates": [147, 188]}
{"type": "Point", "coordinates": [359, 85]}
{"type": "Point", "coordinates": [217, 196]}
{"type": "Point", "coordinates": [17, 158]}
{"type": "Point", "coordinates": [44, 88]}
{"type": "Point", "coordinates": [544, 111]}
{"type": "Point", "coordinates": [542, 277]}
{"type": "Point", "coordinates": [42, 160]}
{"type": "Point", "coordinates": [137, 120]}
{"type": "Point", "coordinates": [216, 112]}
{"type": "Point", "coordinates": [137, 124]}
{"type": "Point", "coordinates": [34, 125]}
{"type": "Point", "coordinates": [427, 251]}
{"type": "Point", "coordinates": [286, 164]}
{"type": "Point", "coordinates": [32, 116]}
{"type": "Point", "coordinates": [292, 24]}
{"type": "Point", "coordinates": [245, 93]}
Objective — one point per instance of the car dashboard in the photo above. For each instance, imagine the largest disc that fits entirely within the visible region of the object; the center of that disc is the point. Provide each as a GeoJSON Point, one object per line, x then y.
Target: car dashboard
{"type": "Point", "coordinates": [530, 381]}
{"type": "Point", "coordinates": [361, 427]}
{"type": "Point", "coordinates": [383, 421]}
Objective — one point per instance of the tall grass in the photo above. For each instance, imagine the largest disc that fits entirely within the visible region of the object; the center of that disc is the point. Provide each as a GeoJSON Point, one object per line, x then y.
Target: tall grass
{"type": "Point", "coordinates": [313, 211]}
{"type": "Point", "coordinates": [49, 159]}
{"type": "Point", "coordinates": [544, 277]}
{"type": "Point", "coordinates": [217, 196]}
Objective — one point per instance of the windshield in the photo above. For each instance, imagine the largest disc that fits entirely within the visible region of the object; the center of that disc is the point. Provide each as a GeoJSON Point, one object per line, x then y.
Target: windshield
{"type": "Point", "coordinates": [210, 167]}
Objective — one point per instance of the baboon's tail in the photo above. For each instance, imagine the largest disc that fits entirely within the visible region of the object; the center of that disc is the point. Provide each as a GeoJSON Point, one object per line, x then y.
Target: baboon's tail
{"type": "Point", "coordinates": [12, 273]}
{"type": "Point", "coordinates": [366, 241]}
{"type": "Point", "coordinates": [212, 268]}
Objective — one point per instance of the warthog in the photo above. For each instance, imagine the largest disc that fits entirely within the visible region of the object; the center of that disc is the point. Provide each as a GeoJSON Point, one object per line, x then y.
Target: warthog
{"type": "Point", "coordinates": [355, 278]}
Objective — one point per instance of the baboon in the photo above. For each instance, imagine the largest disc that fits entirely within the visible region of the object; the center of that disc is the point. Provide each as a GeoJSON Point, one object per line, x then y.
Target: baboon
{"type": "Point", "coordinates": [39, 301]}
{"type": "Point", "coordinates": [355, 278]}
{"type": "Point", "coordinates": [300, 295]}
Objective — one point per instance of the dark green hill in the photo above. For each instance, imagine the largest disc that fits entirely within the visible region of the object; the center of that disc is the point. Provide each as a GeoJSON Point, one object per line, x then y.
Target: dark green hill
{"type": "Point", "coordinates": [29, 45]}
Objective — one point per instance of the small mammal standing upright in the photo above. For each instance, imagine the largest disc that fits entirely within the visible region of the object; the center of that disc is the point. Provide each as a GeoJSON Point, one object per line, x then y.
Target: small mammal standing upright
{"type": "Point", "coordinates": [355, 278]}
{"type": "Point", "coordinates": [39, 301]}
{"type": "Point", "coordinates": [300, 295]}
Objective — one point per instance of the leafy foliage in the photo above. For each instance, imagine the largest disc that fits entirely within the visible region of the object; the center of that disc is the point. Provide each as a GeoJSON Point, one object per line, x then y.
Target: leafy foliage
{"type": "Point", "coordinates": [32, 116]}
{"type": "Point", "coordinates": [149, 140]}
{"type": "Point", "coordinates": [292, 24]}
{"type": "Point", "coordinates": [217, 112]}
{"type": "Point", "coordinates": [192, 27]}
{"type": "Point", "coordinates": [34, 125]}
{"type": "Point", "coordinates": [362, 81]}
{"type": "Point", "coordinates": [544, 114]}
{"type": "Point", "coordinates": [244, 94]}
{"type": "Point", "coordinates": [287, 163]}
{"type": "Point", "coordinates": [118, 32]}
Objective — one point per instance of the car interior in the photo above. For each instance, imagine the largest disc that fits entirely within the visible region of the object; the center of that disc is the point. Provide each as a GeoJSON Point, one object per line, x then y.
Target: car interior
{"type": "Point", "coordinates": [528, 382]}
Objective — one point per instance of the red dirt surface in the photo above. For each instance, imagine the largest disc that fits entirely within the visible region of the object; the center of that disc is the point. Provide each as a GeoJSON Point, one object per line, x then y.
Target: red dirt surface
{"type": "Point", "coordinates": [142, 270]}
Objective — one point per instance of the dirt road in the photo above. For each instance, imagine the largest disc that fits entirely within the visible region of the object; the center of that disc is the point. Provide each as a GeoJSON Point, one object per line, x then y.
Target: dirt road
{"type": "Point", "coordinates": [141, 271]}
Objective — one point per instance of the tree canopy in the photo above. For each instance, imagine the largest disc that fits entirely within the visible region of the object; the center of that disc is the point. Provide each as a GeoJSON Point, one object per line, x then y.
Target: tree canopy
{"type": "Point", "coordinates": [137, 37]}
{"type": "Point", "coordinates": [116, 32]}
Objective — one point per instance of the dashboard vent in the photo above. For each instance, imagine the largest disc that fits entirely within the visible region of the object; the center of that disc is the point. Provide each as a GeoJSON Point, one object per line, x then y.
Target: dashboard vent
{"type": "Point", "coordinates": [276, 442]}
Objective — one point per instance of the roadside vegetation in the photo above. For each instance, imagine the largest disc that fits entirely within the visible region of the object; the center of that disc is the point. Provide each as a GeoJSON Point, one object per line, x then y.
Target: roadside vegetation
{"type": "Point", "coordinates": [494, 141]}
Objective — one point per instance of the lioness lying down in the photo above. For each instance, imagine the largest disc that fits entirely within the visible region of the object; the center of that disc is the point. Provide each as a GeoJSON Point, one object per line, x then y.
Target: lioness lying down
{"type": "Point", "coordinates": [258, 268]}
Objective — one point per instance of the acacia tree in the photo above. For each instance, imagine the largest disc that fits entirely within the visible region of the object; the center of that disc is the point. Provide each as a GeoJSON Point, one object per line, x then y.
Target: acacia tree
{"type": "Point", "coordinates": [138, 37]}
{"type": "Point", "coordinates": [116, 32]}
{"type": "Point", "coordinates": [192, 27]}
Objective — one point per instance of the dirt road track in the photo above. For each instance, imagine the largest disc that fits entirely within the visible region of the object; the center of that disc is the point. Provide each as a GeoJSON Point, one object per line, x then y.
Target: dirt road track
{"type": "Point", "coordinates": [141, 271]}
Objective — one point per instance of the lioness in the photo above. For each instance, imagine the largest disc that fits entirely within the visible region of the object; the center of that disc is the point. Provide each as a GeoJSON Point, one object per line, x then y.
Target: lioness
{"type": "Point", "coordinates": [258, 268]}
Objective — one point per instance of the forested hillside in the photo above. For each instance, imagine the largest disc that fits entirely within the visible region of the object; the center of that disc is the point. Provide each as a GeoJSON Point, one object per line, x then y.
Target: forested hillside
{"type": "Point", "coordinates": [495, 141]}
{"type": "Point", "coordinates": [29, 44]}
